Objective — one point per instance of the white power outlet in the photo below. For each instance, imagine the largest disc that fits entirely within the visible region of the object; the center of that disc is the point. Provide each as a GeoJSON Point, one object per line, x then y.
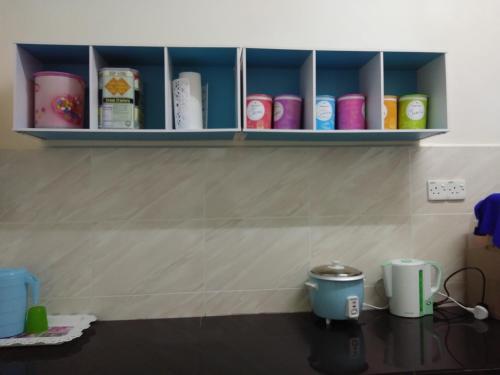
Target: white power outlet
{"type": "Point", "coordinates": [456, 190]}
{"type": "Point", "coordinates": [437, 190]}
{"type": "Point", "coordinates": [445, 190]}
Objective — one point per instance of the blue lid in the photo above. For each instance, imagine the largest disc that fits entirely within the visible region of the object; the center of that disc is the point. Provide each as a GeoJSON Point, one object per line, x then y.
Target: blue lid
{"type": "Point", "coordinates": [325, 97]}
{"type": "Point", "coordinates": [12, 272]}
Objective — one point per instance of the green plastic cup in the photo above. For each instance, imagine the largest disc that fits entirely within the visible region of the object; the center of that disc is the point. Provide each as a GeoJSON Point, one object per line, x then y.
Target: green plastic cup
{"type": "Point", "coordinates": [412, 112]}
{"type": "Point", "coordinates": [36, 320]}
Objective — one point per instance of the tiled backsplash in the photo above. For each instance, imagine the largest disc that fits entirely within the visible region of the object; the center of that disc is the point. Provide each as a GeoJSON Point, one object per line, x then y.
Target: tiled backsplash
{"type": "Point", "coordinates": [168, 232]}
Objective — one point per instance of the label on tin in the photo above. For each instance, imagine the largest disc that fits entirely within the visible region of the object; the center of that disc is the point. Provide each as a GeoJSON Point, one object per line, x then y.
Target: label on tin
{"type": "Point", "coordinates": [278, 111]}
{"type": "Point", "coordinates": [119, 92]}
{"type": "Point", "coordinates": [324, 110]}
{"type": "Point", "coordinates": [255, 110]}
{"type": "Point", "coordinates": [385, 111]}
{"type": "Point", "coordinates": [415, 110]}
{"type": "Point", "coordinates": [117, 115]}
{"type": "Point", "coordinates": [117, 86]}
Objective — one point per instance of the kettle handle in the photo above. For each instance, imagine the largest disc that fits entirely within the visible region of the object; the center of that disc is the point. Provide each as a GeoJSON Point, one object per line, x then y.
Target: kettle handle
{"type": "Point", "coordinates": [34, 284]}
{"type": "Point", "coordinates": [439, 276]}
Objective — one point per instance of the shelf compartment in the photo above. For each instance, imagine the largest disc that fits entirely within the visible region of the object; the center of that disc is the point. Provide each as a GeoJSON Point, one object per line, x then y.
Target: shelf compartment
{"type": "Point", "coordinates": [345, 72]}
{"type": "Point", "coordinates": [419, 72]}
{"type": "Point", "coordinates": [31, 58]}
{"type": "Point", "coordinates": [219, 69]}
{"type": "Point", "coordinates": [276, 72]}
{"type": "Point", "coordinates": [150, 62]}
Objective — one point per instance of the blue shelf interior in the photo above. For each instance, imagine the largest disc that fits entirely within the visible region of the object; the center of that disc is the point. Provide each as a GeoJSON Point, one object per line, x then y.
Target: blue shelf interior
{"type": "Point", "coordinates": [58, 54]}
{"type": "Point", "coordinates": [274, 72]}
{"type": "Point", "coordinates": [337, 72]}
{"type": "Point", "coordinates": [400, 71]}
{"type": "Point", "coordinates": [69, 59]}
{"type": "Point", "coordinates": [217, 67]}
{"type": "Point", "coordinates": [150, 63]}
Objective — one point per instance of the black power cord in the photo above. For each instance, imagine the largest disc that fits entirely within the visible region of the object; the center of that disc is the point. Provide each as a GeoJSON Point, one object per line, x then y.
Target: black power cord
{"type": "Point", "coordinates": [448, 320]}
{"type": "Point", "coordinates": [445, 285]}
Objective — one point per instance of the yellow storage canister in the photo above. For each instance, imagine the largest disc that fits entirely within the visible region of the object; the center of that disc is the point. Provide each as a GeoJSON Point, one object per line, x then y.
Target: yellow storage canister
{"type": "Point", "coordinates": [390, 112]}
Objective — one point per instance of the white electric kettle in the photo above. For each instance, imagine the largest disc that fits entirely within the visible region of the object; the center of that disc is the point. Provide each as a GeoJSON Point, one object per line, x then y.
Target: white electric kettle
{"type": "Point", "coordinates": [407, 284]}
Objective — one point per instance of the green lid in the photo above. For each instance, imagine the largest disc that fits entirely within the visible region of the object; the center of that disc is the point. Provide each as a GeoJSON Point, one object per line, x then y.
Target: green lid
{"type": "Point", "coordinates": [413, 97]}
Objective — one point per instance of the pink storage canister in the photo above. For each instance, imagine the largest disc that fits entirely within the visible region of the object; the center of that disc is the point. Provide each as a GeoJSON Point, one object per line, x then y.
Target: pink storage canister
{"type": "Point", "coordinates": [259, 111]}
{"type": "Point", "coordinates": [287, 112]}
{"type": "Point", "coordinates": [351, 112]}
{"type": "Point", "coordinates": [59, 100]}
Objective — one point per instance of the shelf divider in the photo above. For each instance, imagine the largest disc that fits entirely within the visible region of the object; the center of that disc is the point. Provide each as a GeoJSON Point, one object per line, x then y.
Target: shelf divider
{"type": "Point", "coordinates": [237, 77]}
{"type": "Point", "coordinates": [169, 120]}
{"type": "Point", "coordinates": [244, 87]}
{"type": "Point", "coordinates": [431, 79]}
{"type": "Point", "coordinates": [308, 90]}
{"type": "Point", "coordinates": [25, 65]}
{"type": "Point", "coordinates": [370, 82]}
{"type": "Point", "coordinates": [96, 62]}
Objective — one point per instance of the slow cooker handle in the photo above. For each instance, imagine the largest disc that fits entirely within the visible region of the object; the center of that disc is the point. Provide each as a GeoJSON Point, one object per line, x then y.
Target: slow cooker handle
{"type": "Point", "coordinates": [311, 285]}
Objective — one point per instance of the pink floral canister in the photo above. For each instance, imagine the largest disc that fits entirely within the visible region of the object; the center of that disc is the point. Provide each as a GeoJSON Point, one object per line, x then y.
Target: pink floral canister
{"type": "Point", "coordinates": [59, 100]}
{"type": "Point", "coordinates": [351, 112]}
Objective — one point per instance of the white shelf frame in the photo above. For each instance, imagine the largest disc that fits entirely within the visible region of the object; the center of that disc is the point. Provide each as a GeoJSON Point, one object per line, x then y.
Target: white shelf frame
{"type": "Point", "coordinates": [431, 78]}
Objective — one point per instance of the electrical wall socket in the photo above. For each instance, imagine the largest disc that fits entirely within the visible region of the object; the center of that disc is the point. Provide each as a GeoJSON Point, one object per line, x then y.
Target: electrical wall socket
{"type": "Point", "coordinates": [437, 190]}
{"type": "Point", "coordinates": [445, 190]}
{"type": "Point", "coordinates": [456, 190]}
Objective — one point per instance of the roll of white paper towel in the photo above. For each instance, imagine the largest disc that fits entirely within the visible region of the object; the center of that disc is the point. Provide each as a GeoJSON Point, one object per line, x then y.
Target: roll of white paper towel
{"type": "Point", "coordinates": [188, 101]}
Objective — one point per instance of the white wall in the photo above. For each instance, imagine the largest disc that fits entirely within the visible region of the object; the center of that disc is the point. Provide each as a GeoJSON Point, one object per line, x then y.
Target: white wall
{"type": "Point", "coordinates": [468, 30]}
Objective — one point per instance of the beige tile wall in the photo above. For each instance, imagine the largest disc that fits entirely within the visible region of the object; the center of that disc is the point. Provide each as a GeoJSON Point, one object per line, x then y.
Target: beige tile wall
{"type": "Point", "coordinates": [166, 232]}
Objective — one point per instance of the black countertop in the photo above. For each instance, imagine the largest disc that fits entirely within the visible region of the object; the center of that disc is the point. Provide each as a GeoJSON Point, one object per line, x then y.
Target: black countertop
{"type": "Point", "coordinates": [270, 344]}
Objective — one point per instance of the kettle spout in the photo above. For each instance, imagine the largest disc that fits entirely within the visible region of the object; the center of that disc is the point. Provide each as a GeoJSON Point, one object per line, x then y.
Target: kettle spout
{"type": "Point", "coordinates": [387, 275]}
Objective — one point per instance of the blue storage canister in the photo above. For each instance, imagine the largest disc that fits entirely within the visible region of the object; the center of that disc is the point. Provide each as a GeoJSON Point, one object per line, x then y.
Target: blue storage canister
{"type": "Point", "coordinates": [325, 112]}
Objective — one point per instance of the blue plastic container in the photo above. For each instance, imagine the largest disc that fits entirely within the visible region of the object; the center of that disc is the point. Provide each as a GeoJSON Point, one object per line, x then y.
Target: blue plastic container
{"type": "Point", "coordinates": [14, 283]}
{"type": "Point", "coordinates": [325, 112]}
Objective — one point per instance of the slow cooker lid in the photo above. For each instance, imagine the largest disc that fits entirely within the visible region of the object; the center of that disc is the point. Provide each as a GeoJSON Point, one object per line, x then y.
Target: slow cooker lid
{"type": "Point", "coordinates": [336, 270]}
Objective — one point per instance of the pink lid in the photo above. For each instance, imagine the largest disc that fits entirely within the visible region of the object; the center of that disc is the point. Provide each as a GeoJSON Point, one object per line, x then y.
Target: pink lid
{"type": "Point", "coordinates": [259, 97]}
{"type": "Point", "coordinates": [58, 74]}
{"type": "Point", "coordinates": [351, 97]}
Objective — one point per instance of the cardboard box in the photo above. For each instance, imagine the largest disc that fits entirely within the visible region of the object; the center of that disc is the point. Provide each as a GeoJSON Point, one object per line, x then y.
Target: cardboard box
{"type": "Point", "coordinates": [483, 254]}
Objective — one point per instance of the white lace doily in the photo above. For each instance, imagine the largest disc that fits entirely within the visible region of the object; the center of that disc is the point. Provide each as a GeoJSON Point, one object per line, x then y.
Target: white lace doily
{"type": "Point", "coordinates": [62, 328]}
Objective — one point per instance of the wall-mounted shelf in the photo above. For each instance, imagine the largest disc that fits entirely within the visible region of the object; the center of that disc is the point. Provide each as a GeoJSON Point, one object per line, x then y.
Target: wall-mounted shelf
{"type": "Point", "coordinates": [219, 67]}
{"type": "Point", "coordinates": [316, 72]}
{"type": "Point", "coordinates": [231, 74]}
